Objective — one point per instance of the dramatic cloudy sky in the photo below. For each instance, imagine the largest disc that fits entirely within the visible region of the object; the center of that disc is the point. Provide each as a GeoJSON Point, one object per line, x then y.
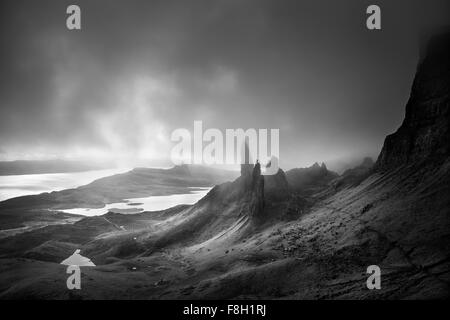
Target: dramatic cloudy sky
{"type": "Point", "coordinates": [140, 69]}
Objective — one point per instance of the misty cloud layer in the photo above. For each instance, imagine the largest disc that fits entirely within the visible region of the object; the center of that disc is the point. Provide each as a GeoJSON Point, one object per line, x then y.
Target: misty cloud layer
{"type": "Point", "coordinates": [140, 69]}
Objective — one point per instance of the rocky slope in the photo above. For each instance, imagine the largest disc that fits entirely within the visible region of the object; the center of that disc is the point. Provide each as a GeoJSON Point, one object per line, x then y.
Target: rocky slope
{"type": "Point", "coordinates": [354, 176]}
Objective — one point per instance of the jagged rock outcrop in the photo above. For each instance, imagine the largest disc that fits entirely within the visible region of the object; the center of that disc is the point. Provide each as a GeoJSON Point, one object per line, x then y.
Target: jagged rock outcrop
{"type": "Point", "coordinates": [424, 134]}
{"type": "Point", "coordinates": [276, 187]}
{"type": "Point", "coordinates": [310, 180]}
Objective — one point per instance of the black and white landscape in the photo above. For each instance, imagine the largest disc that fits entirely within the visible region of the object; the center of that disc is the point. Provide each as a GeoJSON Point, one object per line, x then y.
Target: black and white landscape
{"type": "Point", "coordinates": [308, 232]}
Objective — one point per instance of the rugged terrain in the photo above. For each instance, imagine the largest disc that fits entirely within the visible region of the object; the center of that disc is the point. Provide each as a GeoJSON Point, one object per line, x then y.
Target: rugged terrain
{"type": "Point", "coordinates": [302, 234]}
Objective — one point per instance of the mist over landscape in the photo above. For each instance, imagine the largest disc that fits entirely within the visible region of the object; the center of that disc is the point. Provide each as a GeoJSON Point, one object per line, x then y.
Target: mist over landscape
{"type": "Point", "coordinates": [115, 90]}
{"type": "Point", "coordinates": [354, 206]}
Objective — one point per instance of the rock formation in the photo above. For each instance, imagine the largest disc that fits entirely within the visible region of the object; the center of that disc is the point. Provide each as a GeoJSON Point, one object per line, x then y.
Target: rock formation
{"type": "Point", "coordinates": [255, 194]}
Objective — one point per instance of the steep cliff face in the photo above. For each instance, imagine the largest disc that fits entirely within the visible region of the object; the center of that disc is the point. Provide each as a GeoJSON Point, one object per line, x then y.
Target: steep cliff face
{"type": "Point", "coordinates": [424, 134]}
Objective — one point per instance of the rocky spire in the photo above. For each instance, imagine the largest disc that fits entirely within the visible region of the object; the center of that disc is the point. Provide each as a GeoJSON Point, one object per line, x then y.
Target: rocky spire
{"type": "Point", "coordinates": [252, 184]}
{"type": "Point", "coordinates": [256, 192]}
{"type": "Point", "coordinates": [246, 163]}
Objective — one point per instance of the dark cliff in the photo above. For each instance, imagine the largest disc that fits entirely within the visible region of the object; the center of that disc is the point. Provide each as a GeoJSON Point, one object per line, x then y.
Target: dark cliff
{"type": "Point", "coordinates": [424, 133]}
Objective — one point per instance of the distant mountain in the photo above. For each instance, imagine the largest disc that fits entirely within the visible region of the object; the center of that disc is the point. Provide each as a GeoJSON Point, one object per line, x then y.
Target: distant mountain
{"type": "Point", "coordinates": [354, 176]}
{"type": "Point", "coordinates": [311, 179]}
{"type": "Point", "coordinates": [19, 167]}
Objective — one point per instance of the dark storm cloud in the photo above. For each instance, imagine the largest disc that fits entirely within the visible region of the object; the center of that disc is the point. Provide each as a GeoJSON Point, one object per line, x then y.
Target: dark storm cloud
{"type": "Point", "coordinates": [139, 69]}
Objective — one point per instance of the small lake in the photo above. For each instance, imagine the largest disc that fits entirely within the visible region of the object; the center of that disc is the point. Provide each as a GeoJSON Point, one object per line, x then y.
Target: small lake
{"type": "Point", "coordinates": [76, 259]}
{"type": "Point", "coordinates": [136, 205]}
